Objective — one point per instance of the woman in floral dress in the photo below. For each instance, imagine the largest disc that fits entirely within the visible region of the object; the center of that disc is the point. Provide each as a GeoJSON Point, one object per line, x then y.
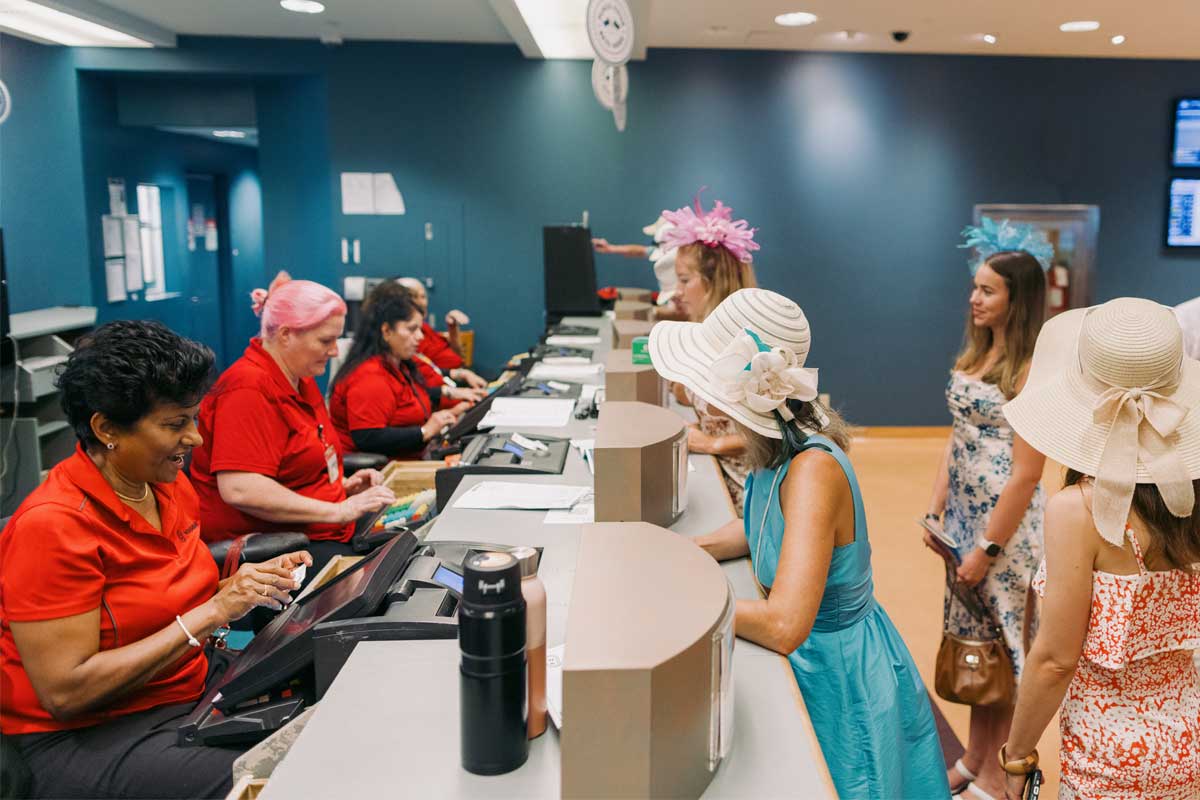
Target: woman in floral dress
{"type": "Point", "coordinates": [988, 495]}
{"type": "Point", "coordinates": [1111, 397]}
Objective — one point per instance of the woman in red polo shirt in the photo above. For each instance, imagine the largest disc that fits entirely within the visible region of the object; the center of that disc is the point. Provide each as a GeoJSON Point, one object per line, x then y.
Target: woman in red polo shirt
{"type": "Point", "coordinates": [379, 402]}
{"type": "Point", "coordinates": [270, 459]}
{"type": "Point", "coordinates": [442, 354]}
{"type": "Point", "coordinates": [106, 589]}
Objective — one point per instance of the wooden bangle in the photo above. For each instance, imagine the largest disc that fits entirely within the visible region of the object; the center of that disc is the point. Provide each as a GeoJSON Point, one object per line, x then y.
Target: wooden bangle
{"type": "Point", "coordinates": [1022, 766]}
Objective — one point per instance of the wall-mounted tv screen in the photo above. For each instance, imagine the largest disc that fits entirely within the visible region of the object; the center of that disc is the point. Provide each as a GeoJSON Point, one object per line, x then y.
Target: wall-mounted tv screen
{"type": "Point", "coordinates": [1186, 150]}
{"type": "Point", "coordinates": [1183, 213]}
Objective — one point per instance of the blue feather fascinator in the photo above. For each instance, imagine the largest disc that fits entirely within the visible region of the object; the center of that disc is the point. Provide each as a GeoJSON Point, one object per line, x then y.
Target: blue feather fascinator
{"type": "Point", "coordinates": [998, 237]}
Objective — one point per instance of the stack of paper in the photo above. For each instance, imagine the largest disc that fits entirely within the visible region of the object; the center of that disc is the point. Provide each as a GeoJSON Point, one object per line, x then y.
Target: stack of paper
{"type": "Point", "coordinates": [528, 412]}
{"type": "Point", "coordinates": [571, 341]}
{"type": "Point", "coordinates": [565, 372]}
{"type": "Point", "coordinates": [583, 512]}
{"type": "Point", "coordinates": [525, 496]}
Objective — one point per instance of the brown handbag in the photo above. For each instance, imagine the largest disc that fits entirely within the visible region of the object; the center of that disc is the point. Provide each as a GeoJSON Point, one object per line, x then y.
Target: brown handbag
{"type": "Point", "coordinates": [973, 672]}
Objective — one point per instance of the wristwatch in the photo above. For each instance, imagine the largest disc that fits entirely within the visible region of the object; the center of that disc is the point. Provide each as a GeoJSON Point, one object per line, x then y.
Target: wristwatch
{"type": "Point", "coordinates": [990, 548]}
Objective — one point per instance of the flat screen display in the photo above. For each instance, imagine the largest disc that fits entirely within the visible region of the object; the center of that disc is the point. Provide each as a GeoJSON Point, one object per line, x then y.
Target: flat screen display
{"type": "Point", "coordinates": [1183, 213]}
{"type": "Point", "coordinates": [450, 579]}
{"type": "Point", "coordinates": [570, 272]}
{"type": "Point", "coordinates": [1186, 150]}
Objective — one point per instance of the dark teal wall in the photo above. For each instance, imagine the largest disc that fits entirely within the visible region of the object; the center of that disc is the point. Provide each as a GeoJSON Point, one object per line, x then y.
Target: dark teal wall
{"type": "Point", "coordinates": [858, 169]}
{"type": "Point", "coordinates": [41, 179]}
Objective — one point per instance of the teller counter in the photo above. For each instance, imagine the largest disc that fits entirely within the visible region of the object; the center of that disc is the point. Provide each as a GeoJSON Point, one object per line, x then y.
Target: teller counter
{"type": "Point", "coordinates": [389, 724]}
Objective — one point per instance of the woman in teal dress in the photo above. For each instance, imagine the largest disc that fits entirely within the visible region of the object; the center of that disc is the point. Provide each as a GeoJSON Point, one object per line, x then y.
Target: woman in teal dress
{"type": "Point", "coordinates": [805, 530]}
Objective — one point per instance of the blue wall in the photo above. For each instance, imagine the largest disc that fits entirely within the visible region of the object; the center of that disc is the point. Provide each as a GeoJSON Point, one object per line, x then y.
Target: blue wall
{"type": "Point", "coordinates": [859, 170]}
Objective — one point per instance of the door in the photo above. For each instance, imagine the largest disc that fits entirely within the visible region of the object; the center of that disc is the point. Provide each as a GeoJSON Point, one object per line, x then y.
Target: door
{"type": "Point", "coordinates": [207, 244]}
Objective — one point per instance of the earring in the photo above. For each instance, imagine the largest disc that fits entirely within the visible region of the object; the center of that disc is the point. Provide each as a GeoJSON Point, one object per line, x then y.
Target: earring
{"type": "Point", "coordinates": [111, 446]}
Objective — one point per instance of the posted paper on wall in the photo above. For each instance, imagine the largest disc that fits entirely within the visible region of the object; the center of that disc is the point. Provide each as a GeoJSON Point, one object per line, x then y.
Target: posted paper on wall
{"type": "Point", "coordinates": [114, 280]}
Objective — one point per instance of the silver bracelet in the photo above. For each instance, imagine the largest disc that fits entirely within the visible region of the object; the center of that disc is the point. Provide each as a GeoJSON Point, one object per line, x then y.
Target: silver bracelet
{"type": "Point", "coordinates": [191, 640]}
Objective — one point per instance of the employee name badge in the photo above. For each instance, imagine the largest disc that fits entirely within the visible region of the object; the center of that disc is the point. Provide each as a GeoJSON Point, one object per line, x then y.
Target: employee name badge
{"type": "Point", "coordinates": [331, 463]}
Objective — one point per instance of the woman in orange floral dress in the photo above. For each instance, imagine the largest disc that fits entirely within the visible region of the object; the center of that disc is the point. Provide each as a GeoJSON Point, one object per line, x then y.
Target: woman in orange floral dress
{"type": "Point", "coordinates": [1112, 397]}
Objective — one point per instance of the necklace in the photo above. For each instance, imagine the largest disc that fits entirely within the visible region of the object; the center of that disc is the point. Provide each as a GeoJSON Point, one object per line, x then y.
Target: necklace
{"type": "Point", "coordinates": [145, 494]}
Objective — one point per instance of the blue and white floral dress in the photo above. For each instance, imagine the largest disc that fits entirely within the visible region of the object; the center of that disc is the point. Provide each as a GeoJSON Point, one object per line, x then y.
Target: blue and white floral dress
{"type": "Point", "coordinates": [980, 465]}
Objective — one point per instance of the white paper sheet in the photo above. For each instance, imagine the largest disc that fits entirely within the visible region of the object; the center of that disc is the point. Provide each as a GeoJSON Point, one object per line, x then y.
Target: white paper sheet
{"type": "Point", "coordinates": [116, 197]}
{"type": "Point", "coordinates": [132, 233]}
{"type": "Point", "coordinates": [581, 513]}
{"type": "Point", "coordinates": [114, 280]}
{"type": "Point", "coordinates": [358, 193]}
{"type": "Point", "coordinates": [113, 245]}
{"type": "Point", "coordinates": [554, 681]}
{"type": "Point", "coordinates": [565, 372]}
{"type": "Point", "coordinates": [353, 287]}
{"type": "Point", "coordinates": [388, 199]}
{"type": "Point", "coordinates": [528, 412]}
{"type": "Point", "coordinates": [571, 341]}
{"type": "Point", "coordinates": [560, 361]}
{"type": "Point", "coordinates": [492, 495]}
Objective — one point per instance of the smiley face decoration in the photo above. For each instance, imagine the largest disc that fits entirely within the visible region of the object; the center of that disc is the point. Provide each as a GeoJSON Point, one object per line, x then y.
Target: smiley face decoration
{"type": "Point", "coordinates": [610, 30]}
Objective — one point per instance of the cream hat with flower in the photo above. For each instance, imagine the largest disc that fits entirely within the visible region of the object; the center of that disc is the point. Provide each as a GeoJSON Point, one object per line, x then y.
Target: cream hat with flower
{"type": "Point", "coordinates": [1111, 394]}
{"type": "Point", "coordinates": [746, 358]}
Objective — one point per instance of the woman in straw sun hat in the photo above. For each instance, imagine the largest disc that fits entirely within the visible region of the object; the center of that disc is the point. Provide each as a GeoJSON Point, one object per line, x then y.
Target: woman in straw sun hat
{"type": "Point", "coordinates": [806, 532]}
{"type": "Point", "coordinates": [1112, 397]}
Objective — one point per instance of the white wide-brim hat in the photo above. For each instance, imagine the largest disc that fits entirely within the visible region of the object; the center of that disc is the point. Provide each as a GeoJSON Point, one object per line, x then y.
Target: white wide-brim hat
{"type": "Point", "coordinates": [746, 358]}
{"type": "Point", "coordinates": [1111, 394]}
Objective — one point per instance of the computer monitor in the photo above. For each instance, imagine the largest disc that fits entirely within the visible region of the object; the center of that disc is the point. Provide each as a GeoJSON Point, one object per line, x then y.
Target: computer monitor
{"type": "Point", "coordinates": [469, 421]}
{"type": "Point", "coordinates": [1183, 213]}
{"type": "Point", "coordinates": [1185, 149]}
{"type": "Point", "coordinates": [285, 646]}
{"type": "Point", "coordinates": [570, 272]}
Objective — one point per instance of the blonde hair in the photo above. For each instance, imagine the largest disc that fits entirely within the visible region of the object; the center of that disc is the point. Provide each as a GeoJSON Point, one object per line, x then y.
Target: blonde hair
{"type": "Point", "coordinates": [1026, 284]}
{"type": "Point", "coordinates": [720, 270]}
{"type": "Point", "coordinates": [764, 452]}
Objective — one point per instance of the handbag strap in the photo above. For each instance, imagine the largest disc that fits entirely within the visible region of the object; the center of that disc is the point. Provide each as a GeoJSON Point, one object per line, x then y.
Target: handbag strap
{"type": "Point", "coordinates": [988, 618]}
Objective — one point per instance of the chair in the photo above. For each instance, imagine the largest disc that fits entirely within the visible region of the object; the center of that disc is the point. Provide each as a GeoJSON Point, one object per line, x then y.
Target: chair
{"type": "Point", "coordinates": [254, 548]}
{"type": "Point", "coordinates": [353, 462]}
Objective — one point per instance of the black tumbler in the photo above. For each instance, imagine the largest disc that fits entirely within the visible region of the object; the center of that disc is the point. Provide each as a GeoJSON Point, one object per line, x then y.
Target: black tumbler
{"type": "Point", "coordinates": [491, 636]}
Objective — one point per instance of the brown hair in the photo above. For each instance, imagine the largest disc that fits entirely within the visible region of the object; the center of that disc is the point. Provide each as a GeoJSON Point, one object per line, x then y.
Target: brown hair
{"type": "Point", "coordinates": [1176, 540]}
{"type": "Point", "coordinates": [763, 451]}
{"type": "Point", "coordinates": [721, 272]}
{"type": "Point", "coordinates": [1026, 284]}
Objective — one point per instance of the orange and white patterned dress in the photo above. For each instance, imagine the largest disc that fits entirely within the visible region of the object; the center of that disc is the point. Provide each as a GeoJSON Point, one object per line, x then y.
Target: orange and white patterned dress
{"type": "Point", "coordinates": [1130, 722]}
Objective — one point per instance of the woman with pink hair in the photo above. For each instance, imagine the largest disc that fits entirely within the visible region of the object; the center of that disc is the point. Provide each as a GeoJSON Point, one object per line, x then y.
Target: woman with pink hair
{"type": "Point", "coordinates": [270, 459]}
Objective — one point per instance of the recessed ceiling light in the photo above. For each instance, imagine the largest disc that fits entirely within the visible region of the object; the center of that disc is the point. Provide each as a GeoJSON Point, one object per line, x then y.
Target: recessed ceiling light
{"type": "Point", "coordinates": [230, 134]}
{"type": "Point", "coordinates": [303, 6]}
{"type": "Point", "coordinates": [987, 37]}
{"type": "Point", "coordinates": [850, 36]}
{"type": "Point", "coordinates": [796, 19]}
{"type": "Point", "coordinates": [50, 26]}
{"type": "Point", "coordinates": [1118, 39]}
{"type": "Point", "coordinates": [1080, 26]}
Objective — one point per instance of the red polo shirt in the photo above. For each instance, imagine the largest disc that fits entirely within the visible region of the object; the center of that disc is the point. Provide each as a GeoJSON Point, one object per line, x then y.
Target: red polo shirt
{"type": "Point", "coordinates": [254, 421]}
{"type": "Point", "coordinates": [377, 394]}
{"type": "Point", "coordinates": [438, 350]}
{"type": "Point", "coordinates": [73, 547]}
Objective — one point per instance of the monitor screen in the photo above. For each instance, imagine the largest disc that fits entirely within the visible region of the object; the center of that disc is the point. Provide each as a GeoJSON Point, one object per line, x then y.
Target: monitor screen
{"type": "Point", "coordinates": [570, 271]}
{"type": "Point", "coordinates": [1183, 214]}
{"type": "Point", "coordinates": [1186, 150]}
{"type": "Point", "coordinates": [449, 579]}
{"type": "Point", "coordinates": [285, 645]}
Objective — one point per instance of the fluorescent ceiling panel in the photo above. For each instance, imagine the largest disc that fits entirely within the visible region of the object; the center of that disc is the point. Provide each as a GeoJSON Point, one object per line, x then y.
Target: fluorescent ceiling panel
{"type": "Point", "coordinates": [558, 26]}
{"type": "Point", "coordinates": [43, 24]}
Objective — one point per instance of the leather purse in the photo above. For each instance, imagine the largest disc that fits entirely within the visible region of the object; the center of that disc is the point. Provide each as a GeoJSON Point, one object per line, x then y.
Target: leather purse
{"type": "Point", "coordinates": [973, 672]}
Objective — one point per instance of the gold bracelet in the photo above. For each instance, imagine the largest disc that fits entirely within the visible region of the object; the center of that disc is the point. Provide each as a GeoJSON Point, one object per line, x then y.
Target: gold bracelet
{"type": "Point", "coordinates": [1022, 766]}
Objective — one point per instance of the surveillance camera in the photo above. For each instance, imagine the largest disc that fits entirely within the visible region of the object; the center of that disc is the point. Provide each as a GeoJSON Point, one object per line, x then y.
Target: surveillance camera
{"type": "Point", "coordinates": [900, 36]}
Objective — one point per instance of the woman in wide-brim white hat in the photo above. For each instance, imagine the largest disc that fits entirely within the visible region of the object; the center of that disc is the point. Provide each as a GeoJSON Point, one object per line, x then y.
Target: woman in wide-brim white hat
{"type": "Point", "coordinates": [1112, 397]}
{"type": "Point", "coordinates": [805, 527]}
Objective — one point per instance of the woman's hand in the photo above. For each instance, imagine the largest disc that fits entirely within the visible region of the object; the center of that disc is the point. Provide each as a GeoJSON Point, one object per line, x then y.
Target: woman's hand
{"type": "Point", "coordinates": [699, 441]}
{"type": "Point", "coordinates": [267, 584]}
{"type": "Point", "coordinates": [464, 393]}
{"type": "Point", "coordinates": [363, 479]}
{"type": "Point", "coordinates": [974, 567]}
{"type": "Point", "coordinates": [454, 318]}
{"type": "Point", "coordinates": [460, 409]}
{"type": "Point", "coordinates": [468, 377]}
{"type": "Point", "coordinates": [438, 420]}
{"type": "Point", "coordinates": [365, 502]}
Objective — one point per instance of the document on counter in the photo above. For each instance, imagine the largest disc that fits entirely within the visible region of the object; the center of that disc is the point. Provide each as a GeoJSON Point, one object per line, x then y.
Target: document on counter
{"type": "Point", "coordinates": [571, 341]}
{"type": "Point", "coordinates": [559, 361]}
{"type": "Point", "coordinates": [528, 412]}
{"type": "Point", "coordinates": [554, 670]}
{"type": "Point", "coordinates": [582, 513]}
{"type": "Point", "coordinates": [565, 372]}
{"type": "Point", "coordinates": [523, 496]}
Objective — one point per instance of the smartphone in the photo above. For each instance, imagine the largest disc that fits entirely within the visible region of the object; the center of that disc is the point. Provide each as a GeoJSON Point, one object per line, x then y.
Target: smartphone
{"type": "Point", "coordinates": [1033, 785]}
{"type": "Point", "coordinates": [940, 537]}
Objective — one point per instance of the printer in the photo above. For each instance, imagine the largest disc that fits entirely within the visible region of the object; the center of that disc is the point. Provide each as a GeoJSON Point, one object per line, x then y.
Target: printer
{"type": "Point", "coordinates": [503, 454]}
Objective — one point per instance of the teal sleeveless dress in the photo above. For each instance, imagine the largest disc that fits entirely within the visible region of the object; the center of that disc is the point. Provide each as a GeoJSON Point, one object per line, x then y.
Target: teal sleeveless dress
{"type": "Point", "coordinates": [867, 703]}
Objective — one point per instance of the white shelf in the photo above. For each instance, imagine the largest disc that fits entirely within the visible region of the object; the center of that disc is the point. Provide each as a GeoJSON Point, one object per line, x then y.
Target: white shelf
{"type": "Point", "coordinates": [28, 324]}
{"type": "Point", "coordinates": [54, 426]}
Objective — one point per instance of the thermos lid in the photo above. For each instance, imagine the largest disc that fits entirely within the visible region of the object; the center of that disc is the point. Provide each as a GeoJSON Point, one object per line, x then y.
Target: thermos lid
{"type": "Point", "coordinates": [529, 558]}
{"type": "Point", "coordinates": [491, 579]}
